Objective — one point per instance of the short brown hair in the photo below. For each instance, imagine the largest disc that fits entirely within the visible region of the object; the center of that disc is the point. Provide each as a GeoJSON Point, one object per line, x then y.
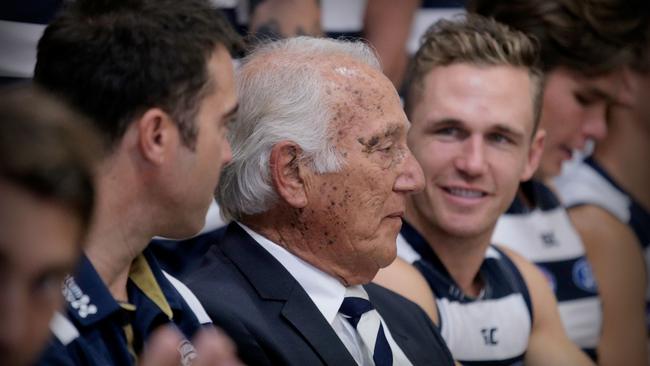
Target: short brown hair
{"type": "Point", "coordinates": [566, 36]}
{"type": "Point", "coordinates": [622, 22]}
{"type": "Point", "coordinates": [475, 40]}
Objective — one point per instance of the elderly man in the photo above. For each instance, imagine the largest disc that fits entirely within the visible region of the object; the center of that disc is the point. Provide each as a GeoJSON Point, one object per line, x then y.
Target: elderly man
{"type": "Point", "coordinates": [156, 78]}
{"type": "Point", "coordinates": [474, 100]}
{"type": "Point", "coordinates": [317, 187]}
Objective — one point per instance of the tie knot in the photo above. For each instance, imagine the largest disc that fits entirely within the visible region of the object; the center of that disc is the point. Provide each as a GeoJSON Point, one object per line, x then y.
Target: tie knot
{"type": "Point", "coordinates": [355, 304]}
{"type": "Point", "coordinates": [354, 307]}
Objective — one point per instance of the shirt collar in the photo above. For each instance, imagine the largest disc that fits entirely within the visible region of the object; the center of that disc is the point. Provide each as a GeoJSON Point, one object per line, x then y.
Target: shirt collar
{"type": "Point", "coordinates": [325, 291]}
{"type": "Point", "coordinates": [169, 291]}
{"type": "Point", "coordinates": [87, 296]}
{"type": "Point", "coordinates": [90, 301]}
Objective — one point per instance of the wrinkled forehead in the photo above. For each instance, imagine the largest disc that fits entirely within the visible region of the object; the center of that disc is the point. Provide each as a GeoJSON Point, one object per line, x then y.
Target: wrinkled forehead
{"type": "Point", "coordinates": [347, 73]}
{"type": "Point", "coordinates": [360, 96]}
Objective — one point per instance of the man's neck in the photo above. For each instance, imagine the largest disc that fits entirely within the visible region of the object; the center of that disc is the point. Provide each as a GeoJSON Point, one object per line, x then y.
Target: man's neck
{"type": "Point", "coordinates": [461, 256]}
{"type": "Point", "coordinates": [301, 239]}
{"type": "Point", "coordinates": [119, 233]}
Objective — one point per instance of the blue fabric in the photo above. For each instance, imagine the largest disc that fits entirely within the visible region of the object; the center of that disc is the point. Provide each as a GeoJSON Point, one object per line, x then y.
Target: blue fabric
{"type": "Point", "coordinates": [501, 277]}
{"type": "Point", "coordinates": [100, 319]}
{"type": "Point", "coordinates": [29, 11]}
{"type": "Point", "coordinates": [538, 193]}
{"type": "Point", "coordinates": [442, 4]}
{"type": "Point", "coordinates": [273, 321]}
{"type": "Point", "coordinates": [353, 308]}
{"type": "Point", "coordinates": [181, 257]}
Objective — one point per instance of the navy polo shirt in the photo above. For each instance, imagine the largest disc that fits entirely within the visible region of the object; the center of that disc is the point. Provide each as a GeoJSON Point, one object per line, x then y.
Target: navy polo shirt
{"type": "Point", "coordinates": [97, 330]}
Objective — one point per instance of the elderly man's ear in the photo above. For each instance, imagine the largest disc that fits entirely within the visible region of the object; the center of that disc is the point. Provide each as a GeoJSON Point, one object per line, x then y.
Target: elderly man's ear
{"type": "Point", "coordinates": [288, 173]}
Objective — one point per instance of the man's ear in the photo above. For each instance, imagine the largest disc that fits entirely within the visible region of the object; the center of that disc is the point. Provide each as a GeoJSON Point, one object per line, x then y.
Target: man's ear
{"type": "Point", "coordinates": [534, 155]}
{"type": "Point", "coordinates": [156, 134]}
{"type": "Point", "coordinates": [286, 173]}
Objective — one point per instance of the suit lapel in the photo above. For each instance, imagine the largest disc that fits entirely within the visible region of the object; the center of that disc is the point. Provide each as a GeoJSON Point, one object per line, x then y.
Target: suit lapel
{"type": "Point", "coordinates": [301, 312]}
{"type": "Point", "coordinates": [274, 283]}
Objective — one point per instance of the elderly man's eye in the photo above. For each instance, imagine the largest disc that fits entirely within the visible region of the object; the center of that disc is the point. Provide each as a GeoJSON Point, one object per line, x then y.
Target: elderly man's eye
{"type": "Point", "coordinates": [386, 149]}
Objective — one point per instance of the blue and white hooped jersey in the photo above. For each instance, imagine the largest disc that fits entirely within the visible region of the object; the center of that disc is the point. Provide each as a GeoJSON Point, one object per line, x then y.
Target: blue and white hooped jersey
{"type": "Point", "coordinates": [492, 329]}
{"type": "Point", "coordinates": [589, 184]}
{"type": "Point", "coordinates": [545, 235]}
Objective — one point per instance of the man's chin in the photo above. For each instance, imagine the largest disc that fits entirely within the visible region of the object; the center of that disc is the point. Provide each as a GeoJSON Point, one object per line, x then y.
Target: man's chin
{"type": "Point", "coordinates": [189, 230]}
{"type": "Point", "coordinates": [361, 278]}
{"type": "Point", "coordinates": [388, 257]}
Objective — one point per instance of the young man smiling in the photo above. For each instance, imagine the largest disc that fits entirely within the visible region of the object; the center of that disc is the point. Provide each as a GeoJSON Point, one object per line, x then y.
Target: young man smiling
{"type": "Point", "coordinates": [473, 100]}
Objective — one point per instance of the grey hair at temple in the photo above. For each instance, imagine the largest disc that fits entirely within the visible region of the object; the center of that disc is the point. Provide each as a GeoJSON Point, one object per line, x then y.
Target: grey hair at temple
{"type": "Point", "coordinates": [282, 93]}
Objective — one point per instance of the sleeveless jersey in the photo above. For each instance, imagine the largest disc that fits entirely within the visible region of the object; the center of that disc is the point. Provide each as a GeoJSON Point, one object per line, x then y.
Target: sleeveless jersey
{"type": "Point", "coordinates": [589, 184]}
{"type": "Point", "coordinates": [545, 235]}
{"type": "Point", "coordinates": [492, 329]}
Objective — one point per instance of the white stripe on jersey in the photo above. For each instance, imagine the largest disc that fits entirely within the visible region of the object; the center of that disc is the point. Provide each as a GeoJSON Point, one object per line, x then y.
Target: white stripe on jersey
{"type": "Point", "coordinates": [583, 330]}
{"type": "Point", "coordinates": [583, 184]}
{"type": "Point", "coordinates": [190, 299]}
{"type": "Point", "coordinates": [405, 251]}
{"type": "Point", "coordinates": [490, 329]}
{"type": "Point", "coordinates": [525, 233]}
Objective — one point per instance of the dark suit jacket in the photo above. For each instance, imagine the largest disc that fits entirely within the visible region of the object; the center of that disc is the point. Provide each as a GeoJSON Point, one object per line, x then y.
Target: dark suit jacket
{"type": "Point", "coordinates": [250, 295]}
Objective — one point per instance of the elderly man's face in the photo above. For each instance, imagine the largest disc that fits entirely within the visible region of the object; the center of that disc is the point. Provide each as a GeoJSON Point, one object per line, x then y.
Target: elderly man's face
{"type": "Point", "coordinates": [358, 210]}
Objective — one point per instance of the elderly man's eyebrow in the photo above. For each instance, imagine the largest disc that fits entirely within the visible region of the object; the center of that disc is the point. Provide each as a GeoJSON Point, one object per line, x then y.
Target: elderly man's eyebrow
{"type": "Point", "coordinates": [392, 131]}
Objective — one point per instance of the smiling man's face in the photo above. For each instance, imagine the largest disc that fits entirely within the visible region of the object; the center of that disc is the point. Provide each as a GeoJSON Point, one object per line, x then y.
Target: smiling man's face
{"type": "Point", "coordinates": [471, 134]}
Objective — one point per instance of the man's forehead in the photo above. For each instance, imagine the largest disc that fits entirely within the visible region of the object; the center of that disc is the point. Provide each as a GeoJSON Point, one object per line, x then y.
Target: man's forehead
{"type": "Point", "coordinates": [609, 87]}
{"type": "Point", "coordinates": [343, 68]}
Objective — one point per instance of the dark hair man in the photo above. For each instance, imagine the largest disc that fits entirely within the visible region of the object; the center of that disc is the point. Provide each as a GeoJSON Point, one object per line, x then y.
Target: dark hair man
{"type": "Point", "coordinates": [156, 78]}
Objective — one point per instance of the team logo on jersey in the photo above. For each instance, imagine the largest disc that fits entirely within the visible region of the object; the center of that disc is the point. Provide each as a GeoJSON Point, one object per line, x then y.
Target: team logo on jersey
{"type": "Point", "coordinates": [188, 352]}
{"type": "Point", "coordinates": [77, 299]}
{"type": "Point", "coordinates": [549, 239]}
{"type": "Point", "coordinates": [583, 277]}
{"type": "Point", "coordinates": [550, 278]}
{"type": "Point", "coordinates": [489, 336]}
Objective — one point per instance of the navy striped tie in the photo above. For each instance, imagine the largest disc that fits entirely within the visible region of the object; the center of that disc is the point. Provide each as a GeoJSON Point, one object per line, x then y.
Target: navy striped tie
{"type": "Point", "coordinates": [365, 319]}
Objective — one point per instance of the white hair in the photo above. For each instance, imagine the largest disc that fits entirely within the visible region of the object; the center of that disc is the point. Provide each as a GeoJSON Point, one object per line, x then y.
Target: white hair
{"type": "Point", "coordinates": [282, 99]}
